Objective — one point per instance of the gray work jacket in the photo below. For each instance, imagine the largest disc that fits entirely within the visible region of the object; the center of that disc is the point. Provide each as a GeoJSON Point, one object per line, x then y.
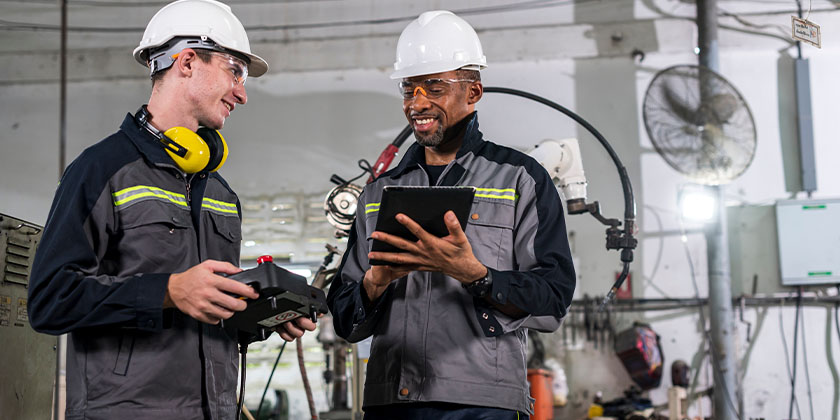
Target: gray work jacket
{"type": "Point", "coordinates": [122, 221]}
{"type": "Point", "coordinates": [432, 340]}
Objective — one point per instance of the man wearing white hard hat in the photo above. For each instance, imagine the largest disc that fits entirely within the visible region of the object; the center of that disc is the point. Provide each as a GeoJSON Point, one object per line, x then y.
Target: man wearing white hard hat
{"type": "Point", "coordinates": [142, 225]}
{"type": "Point", "coordinates": [449, 320]}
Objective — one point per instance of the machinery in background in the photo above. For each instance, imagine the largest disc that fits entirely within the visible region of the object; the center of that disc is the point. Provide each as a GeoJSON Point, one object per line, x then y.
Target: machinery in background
{"type": "Point", "coordinates": [29, 359]}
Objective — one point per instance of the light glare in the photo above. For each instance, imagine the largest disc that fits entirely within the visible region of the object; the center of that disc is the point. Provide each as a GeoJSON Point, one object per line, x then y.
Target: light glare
{"type": "Point", "coordinates": [698, 206]}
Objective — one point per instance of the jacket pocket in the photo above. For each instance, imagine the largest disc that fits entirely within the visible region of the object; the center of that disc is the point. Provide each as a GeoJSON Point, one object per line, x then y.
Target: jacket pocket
{"type": "Point", "coordinates": [154, 237]}
{"type": "Point", "coordinates": [490, 232]}
{"type": "Point", "coordinates": [227, 227]}
{"type": "Point", "coordinates": [224, 239]}
{"type": "Point", "coordinates": [124, 354]}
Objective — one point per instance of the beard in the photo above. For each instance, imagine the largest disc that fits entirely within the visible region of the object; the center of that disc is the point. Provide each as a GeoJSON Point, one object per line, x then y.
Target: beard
{"type": "Point", "coordinates": [433, 139]}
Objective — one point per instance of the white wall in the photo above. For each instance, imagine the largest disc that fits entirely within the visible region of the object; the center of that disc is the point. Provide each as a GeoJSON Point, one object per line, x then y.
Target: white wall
{"type": "Point", "coordinates": [301, 126]}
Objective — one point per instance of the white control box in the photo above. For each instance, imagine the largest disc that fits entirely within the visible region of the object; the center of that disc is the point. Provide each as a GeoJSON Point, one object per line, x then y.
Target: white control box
{"type": "Point", "coordinates": [809, 241]}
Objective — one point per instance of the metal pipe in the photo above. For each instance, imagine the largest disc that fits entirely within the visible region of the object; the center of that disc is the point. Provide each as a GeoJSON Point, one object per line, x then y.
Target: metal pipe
{"type": "Point", "coordinates": [672, 304]}
{"type": "Point", "coordinates": [717, 242]}
{"type": "Point", "coordinates": [61, 340]}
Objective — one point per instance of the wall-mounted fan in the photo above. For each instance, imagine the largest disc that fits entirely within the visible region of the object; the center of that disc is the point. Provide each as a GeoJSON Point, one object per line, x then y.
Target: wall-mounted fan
{"type": "Point", "coordinates": [700, 124]}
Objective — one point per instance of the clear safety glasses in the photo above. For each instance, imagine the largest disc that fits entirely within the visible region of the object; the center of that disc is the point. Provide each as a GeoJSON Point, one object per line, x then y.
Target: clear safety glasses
{"type": "Point", "coordinates": [430, 88]}
{"type": "Point", "coordinates": [236, 66]}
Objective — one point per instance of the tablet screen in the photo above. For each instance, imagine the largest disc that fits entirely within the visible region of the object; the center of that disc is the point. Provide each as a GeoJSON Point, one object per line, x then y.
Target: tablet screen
{"type": "Point", "coordinates": [424, 205]}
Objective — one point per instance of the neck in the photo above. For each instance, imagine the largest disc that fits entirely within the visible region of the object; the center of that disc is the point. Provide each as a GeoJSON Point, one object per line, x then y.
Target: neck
{"type": "Point", "coordinates": [453, 138]}
{"type": "Point", "coordinates": [167, 112]}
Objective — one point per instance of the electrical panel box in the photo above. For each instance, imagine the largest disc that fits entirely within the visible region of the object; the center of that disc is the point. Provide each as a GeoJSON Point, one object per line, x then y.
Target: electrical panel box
{"type": "Point", "coordinates": [28, 363]}
{"type": "Point", "coordinates": [809, 241]}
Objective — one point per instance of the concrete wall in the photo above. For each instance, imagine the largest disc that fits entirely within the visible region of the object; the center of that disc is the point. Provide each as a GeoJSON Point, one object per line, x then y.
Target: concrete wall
{"type": "Point", "coordinates": [329, 102]}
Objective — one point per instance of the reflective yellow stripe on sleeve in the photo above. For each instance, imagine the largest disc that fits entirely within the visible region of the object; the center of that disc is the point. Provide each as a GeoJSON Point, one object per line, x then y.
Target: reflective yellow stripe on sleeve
{"type": "Point", "coordinates": [371, 207]}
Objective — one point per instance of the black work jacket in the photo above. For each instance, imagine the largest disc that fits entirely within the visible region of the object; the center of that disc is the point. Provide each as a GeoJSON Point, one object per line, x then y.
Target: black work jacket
{"type": "Point", "coordinates": [124, 218]}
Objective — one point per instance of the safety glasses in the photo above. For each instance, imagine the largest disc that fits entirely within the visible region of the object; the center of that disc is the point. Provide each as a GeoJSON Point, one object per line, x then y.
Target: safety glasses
{"type": "Point", "coordinates": [430, 88]}
{"type": "Point", "coordinates": [236, 66]}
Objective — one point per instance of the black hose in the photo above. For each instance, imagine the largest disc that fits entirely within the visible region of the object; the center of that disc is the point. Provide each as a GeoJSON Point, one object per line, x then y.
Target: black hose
{"type": "Point", "coordinates": [243, 349]}
{"type": "Point", "coordinates": [268, 382]}
{"type": "Point", "coordinates": [629, 202]}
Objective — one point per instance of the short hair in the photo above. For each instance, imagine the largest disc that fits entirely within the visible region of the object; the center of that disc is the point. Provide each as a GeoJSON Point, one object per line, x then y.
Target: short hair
{"type": "Point", "coordinates": [203, 55]}
{"type": "Point", "coordinates": [473, 75]}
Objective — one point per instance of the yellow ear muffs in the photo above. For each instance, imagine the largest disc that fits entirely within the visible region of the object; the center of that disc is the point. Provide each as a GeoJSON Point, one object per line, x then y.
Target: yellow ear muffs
{"type": "Point", "coordinates": [197, 154]}
{"type": "Point", "coordinates": [218, 147]}
{"type": "Point", "coordinates": [192, 152]}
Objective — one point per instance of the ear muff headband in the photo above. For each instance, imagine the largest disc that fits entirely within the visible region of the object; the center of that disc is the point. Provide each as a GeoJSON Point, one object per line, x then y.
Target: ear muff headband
{"type": "Point", "coordinates": [191, 151]}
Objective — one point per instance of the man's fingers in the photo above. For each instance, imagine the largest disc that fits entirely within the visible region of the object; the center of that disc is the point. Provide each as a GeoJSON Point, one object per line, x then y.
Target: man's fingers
{"type": "Point", "coordinates": [221, 267]}
{"type": "Point", "coordinates": [394, 240]}
{"type": "Point", "coordinates": [236, 288]}
{"type": "Point", "coordinates": [413, 227]}
{"type": "Point", "coordinates": [305, 323]}
{"type": "Point", "coordinates": [400, 258]}
{"type": "Point", "coordinates": [454, 226]}
{"type": "Point", "coordinates": [228, 302]}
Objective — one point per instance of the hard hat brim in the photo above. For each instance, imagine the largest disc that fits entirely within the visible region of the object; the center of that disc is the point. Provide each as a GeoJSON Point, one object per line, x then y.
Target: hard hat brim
{"type": "Point", "coordinates": [431, 68]}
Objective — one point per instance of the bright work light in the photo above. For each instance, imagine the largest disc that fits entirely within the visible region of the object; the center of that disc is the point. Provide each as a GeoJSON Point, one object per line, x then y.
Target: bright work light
{"type": "Point", "coordinates": [697, 203]}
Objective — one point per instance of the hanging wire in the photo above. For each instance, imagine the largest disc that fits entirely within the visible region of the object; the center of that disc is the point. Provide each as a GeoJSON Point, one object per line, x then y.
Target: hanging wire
{"type": "Point", "coordinates": [510, 7]}
{"type": "Point", "coordinates": [787, 355]}
{"type": "Point", "coordinates": [268, 382]}
{"type": "Point", "coordinates": [793, 376]}
{"type": "Point", "coordinates": [805, 358]}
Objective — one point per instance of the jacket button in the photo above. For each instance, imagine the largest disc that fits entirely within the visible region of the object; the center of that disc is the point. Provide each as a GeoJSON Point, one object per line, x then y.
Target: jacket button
{"type": "Point", "coordinates": [172, 231]}
{"type": "Point", "coordinates": [404, 392]}
{"type": "Point", "coordinates": [474, 216]}
{"type": "Point", "coordinates": [499, 296]}
{"type": "Point", "coordinates": [484, 315]}
{"type": "Point", "coordinates": [492, 329]}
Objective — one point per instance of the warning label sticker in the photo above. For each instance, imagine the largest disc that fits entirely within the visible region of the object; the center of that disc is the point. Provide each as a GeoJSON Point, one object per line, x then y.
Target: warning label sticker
{"type": "Point", "coordinates": [279, 319]}
{"type": "Point", "coordinates": [5, 310]}
{"type": "Point", "coordinates": [22, 315]}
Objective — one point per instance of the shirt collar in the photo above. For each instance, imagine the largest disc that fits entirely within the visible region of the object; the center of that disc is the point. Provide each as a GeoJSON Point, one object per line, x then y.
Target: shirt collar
{"type": "Point", "coordinates": [415, 155]}
{"type": "Point", "coordinates": [149, 146]}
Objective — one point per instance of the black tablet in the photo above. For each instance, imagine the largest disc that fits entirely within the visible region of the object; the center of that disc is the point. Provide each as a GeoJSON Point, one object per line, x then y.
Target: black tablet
{"type": "Point", "coordinates": [424, 205]}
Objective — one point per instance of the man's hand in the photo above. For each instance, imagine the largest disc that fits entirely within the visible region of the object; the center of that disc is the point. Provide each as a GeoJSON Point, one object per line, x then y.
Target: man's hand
{"type": "Point", "coordinates": [451, 255]}
{"type": "Point", "coordinates": [202, 294]}
{"type": "Point", "coordinates": [295, 328]}
{"type": "Point", "coordinates": [379, 277]}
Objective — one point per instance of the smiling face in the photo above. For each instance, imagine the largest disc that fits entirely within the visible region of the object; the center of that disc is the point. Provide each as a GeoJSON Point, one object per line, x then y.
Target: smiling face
{"type": "Point", "coordinates": [433, 103]}
{"type": "Point", "coordinates": [217, 89]}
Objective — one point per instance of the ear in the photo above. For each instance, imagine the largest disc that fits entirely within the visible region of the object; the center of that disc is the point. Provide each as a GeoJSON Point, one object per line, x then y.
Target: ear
{"type": "Point", "coordinates": [186, 61]}
{"type": "Point", "coordinates": [474, 92]}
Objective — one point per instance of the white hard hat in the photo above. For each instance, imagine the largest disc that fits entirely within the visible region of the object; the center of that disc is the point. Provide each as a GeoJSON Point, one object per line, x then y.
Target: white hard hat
{"type": "Point", "coordinates": [435, 42]}
{"type": "Point", "coordinates": [209, 22]}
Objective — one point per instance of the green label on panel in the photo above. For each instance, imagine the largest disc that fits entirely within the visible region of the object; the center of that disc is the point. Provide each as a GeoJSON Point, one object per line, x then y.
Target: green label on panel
{"type": "Point", "coordinates": [814, 207]}
{"type": "Point", "coordinates": [819, 273]}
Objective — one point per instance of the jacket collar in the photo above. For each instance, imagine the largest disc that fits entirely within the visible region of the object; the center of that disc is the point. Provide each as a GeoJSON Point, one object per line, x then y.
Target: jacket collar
{"type": "Point", "coordinates": [416, 154]}
{"type": "Point", "coordinates": [146, 143]}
